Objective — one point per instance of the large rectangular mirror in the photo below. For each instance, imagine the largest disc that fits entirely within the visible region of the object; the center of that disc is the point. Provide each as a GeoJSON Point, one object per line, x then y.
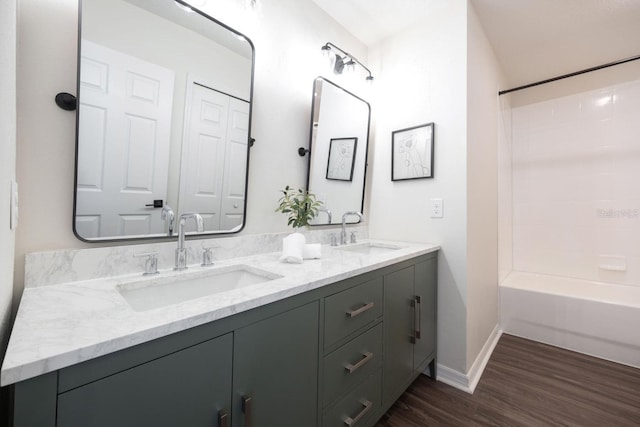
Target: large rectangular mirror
{"type": "Point", "coordinates": [163, 120]}
{"type": "Point", "coordinates": [338, 151]}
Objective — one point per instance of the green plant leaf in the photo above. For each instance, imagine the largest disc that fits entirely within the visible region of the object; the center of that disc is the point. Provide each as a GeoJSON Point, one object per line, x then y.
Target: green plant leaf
{"type": "Point", "coordinates": [299, 205]}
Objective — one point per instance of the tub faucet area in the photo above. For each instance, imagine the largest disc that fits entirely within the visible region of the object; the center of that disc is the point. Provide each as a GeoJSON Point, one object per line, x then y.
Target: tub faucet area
{"type": "Point", "coordinates": [181, 251]}
{"type": "Point", "coordinates": [343, 233]}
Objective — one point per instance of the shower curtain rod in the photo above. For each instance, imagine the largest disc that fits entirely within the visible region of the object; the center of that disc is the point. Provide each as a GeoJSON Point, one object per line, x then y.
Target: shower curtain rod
{"type": "Point", "coordinates": [564, 76]}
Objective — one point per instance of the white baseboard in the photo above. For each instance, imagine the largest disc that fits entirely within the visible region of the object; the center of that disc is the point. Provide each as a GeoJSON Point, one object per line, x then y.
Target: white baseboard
{"type": "Point", "coordinates": [468, 382]}
{"type": "Point", "coordinates": [483, 358]}
{"type": "Point", "coordinates": [453, 378]}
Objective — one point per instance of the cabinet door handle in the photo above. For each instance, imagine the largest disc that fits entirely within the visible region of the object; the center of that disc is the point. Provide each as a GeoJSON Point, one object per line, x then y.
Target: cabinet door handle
{"type": "Point", "coordinates": [352, 368]}
{"type": "Point", "coordinates": [419, 313]}
{"type": "Point", "coordinates": [367, 407]}
{"type": "Point", "coordinates": [246, 409]}
{"type": "Point", "coordinates": [223, 418]}
{"type": "Point", "coordinates": [354, 313]}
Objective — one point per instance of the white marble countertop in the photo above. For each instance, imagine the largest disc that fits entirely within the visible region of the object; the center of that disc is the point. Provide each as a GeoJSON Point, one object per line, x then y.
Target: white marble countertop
{"type": "Point", "coordinates": [65, 324]}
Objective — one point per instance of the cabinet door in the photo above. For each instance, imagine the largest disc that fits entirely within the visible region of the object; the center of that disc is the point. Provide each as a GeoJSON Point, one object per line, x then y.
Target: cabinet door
{"type": "Point", "coordinates": [426, 304]}
{"type": "Point", "coordinates": [186, 388]}
{"type": "Point", "coordinates": [275, 370]}
{"type": "Point", "coordinates": [398, 330]}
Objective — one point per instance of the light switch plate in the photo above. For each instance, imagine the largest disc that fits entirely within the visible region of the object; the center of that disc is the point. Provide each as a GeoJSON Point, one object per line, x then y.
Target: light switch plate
{"type": "Point", "coordinates": [437, 208]}
{"type": "Point", "coordinates": [13, 212]}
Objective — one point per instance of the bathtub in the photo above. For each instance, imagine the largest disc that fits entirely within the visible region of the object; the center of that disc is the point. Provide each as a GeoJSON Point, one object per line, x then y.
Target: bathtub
{"type": "Point", "coordinates": [594, 318]}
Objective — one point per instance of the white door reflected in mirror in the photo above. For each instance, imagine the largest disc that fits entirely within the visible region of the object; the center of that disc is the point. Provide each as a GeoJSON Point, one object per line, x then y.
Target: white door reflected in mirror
{"type": "Point", "coordinates": [137, 151]}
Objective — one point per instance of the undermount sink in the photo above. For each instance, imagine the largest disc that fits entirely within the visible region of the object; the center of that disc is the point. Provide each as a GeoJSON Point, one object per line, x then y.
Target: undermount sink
{"type": "Point", "coordinates": [161, 291]}
{"type": "Point", "coordinates": [369, 248]}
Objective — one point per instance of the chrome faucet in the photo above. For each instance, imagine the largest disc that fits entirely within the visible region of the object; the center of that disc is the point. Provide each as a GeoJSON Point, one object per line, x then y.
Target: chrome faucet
{"type": "Point", "coordinates": [181, 252]}
{"type": "Point", "coordinates": [327, 211]}
{"type": "Point", "coordinates": [343, 233]}
{"type": "Point", "coordinates": [169, 217]}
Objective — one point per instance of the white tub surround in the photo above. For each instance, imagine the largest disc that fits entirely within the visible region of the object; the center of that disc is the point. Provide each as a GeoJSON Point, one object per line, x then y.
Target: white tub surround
{"type": "Point", "coordinates": [67, 323]}
{"type": "Point", "coordinates": [599, 319]}
{"type": "Point", "coordinates": [576, 204]}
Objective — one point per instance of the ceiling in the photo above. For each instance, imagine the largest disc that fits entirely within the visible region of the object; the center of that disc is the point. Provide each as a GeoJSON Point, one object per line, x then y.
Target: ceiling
{"type": "Point", "coordinates": [532, 39]}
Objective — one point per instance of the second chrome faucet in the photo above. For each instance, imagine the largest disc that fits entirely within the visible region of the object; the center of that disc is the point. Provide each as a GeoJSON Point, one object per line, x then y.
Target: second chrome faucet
{"type": "Point", "coordinates": [343, 233]}
{"type": "Point", "coordinates": [181, 251]}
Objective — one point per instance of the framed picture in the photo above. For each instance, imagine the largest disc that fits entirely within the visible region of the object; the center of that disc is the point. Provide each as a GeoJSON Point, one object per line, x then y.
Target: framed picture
{"type": "Point", "coordinates": [342, 156]}
{"type": "Point", "coordinates": [412, 152]}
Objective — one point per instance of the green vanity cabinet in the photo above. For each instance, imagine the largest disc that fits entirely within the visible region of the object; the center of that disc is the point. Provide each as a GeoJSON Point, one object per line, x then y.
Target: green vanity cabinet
{"type": "Point", "coordinates": [337, 355]}
{"type": "Point", "coordinates": [275, 370]}
{"type": "Point", "coordinates": [427, 309]}
{"type": "Point", "coordinates": [409, 325]}
{"type": "Point", "coordinates": [352, 372]}
{"type": "Point", "coordinates": [262, 374]}
{"type": "Point", "coordinates": [398, 330]}
{"type": "Point", "coordinates": [191, 387]}
{"type": "Point", "coordinates": [261, 369]}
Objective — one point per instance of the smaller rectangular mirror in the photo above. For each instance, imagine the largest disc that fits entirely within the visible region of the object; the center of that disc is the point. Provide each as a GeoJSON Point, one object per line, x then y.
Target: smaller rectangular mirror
{"type": "Point", "coordinates": [338, 150]}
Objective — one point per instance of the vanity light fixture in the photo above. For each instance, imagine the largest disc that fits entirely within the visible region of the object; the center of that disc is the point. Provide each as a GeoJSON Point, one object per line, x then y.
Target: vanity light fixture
{"type": "Point", "coordinates": [343, 60]}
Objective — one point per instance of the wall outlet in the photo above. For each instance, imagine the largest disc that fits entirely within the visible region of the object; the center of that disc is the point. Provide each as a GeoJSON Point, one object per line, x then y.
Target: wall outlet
{"type": "Point", "coordinates": [437, 208]}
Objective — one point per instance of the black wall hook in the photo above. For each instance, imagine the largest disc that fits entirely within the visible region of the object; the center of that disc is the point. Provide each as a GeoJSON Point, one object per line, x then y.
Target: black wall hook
{"type": "Point", "coordinates": [303, 151]}
{"type": "Point", "coordinates": [66, 101]}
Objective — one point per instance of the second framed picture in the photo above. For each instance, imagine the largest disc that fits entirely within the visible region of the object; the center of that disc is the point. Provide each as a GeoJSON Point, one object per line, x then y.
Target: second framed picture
{"type": "Point", "coordinates": [412, 152]}
{"type": "Point", "coordinates": [342, 156]}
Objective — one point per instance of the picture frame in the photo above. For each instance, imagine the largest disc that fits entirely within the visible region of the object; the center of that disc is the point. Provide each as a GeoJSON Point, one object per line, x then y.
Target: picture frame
{"type": "Point", "coordinates": [412, 152]}
{"type": "Point", "coordinates": [341, 159]}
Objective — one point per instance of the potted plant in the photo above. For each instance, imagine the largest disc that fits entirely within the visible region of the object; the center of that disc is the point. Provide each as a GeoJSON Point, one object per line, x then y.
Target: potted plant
{"type": "Point", "coordinates": [300, 205]}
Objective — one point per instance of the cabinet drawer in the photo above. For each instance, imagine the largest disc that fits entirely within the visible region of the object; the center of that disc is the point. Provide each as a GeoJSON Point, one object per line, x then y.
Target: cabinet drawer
{"type": "Point", "coordinates": [359, 407]}
{"type": "Point", "coordinates": [352, 363]}
{"type": "Point", "coordinates": [349, 310]}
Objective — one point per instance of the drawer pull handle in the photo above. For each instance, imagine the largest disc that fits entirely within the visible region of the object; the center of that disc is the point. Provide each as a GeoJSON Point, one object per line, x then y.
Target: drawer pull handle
{"type": "Point", "coordinates": [419, 319]}
{"type": "Point", "coordinates": [367, 407]}
{"type": "Point", "coordinates": [416, 304]}
{"type": "Point", "coordinates": [352, 368]}
{"type": "Point", "coordinates": [223, 418]}
{"type": "Point", "coordinates": [354, 313]}
{"type": "Point", "coordinates": [246, 409]}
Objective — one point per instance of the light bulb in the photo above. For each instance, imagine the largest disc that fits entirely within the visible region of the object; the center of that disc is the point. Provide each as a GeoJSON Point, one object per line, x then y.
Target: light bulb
{"type": "Point", "coordinates": [338, 65]}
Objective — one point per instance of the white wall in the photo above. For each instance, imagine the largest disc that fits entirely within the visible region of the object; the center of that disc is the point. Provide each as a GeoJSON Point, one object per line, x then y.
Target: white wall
{"type": "Point", "coordinates": [483, 108]}
{"type": "Point", "coordinates": [420, 78]}
{"type": "Point", "coordinates": [445, 71]}
{"type": "Point", "coordinates": [287, 35]}
{"type": "Point", "coordinates": [575, 195]}
{"type": "Point", "coordinates": [7, 159]}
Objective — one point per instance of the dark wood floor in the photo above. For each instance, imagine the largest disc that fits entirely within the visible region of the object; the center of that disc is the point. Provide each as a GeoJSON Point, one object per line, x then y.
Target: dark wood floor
{"type": "Point", "coordinates": [527, 383]}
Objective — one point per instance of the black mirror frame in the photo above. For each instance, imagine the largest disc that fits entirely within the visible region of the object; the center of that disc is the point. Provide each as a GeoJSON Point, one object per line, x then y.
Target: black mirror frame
{"type": "Point", "coordinates": [250, 141]}
{"type": "Point", "coordinates": [309, 151]}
